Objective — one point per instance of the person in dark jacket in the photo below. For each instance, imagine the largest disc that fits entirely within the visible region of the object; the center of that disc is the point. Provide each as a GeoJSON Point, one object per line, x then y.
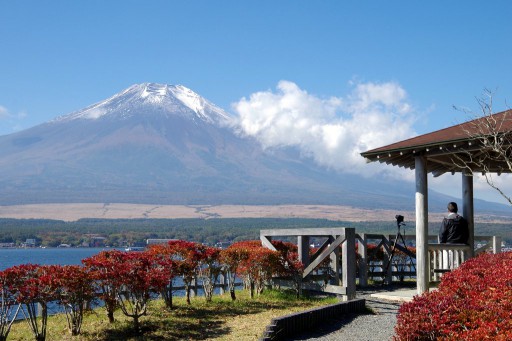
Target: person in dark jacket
{"type": "Point", "coordinates": [454, 228]}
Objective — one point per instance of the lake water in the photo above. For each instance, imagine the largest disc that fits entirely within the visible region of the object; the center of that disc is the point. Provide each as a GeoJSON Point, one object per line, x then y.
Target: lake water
{"type": "Point", "coordinates": [48, 256]}
{"type": "Point", "coordinates": [60, 256]}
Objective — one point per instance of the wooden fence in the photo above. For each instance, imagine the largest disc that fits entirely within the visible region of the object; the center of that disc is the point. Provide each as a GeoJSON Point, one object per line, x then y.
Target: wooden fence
{"type": "Point", "coordinates": [342, 280]}
{"type": "Point", "coordinates": [441, 257]}
{"type": "Point", "coordinates": [379, 257]}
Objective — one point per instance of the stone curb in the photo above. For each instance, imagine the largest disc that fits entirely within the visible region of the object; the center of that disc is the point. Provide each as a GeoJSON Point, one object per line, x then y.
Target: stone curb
{"type": "Point", "coordinates": [291, 324]}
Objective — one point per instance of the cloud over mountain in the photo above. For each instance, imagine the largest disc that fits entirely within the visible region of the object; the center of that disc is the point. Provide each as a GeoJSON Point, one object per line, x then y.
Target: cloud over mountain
{"type": "Point", "coordinates": [333, 131]}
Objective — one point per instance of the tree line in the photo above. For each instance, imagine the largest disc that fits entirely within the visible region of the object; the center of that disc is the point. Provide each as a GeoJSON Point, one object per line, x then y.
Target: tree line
{"type": "Point", "coordinates": [121, 232]}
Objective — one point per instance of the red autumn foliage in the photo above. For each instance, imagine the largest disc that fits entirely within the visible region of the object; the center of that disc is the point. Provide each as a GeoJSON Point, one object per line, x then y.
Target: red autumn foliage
{"type": "Point", "coordinates": [473, 302]}
{"type": "Point", "coordinates": [9, 308]}
{"type": "Point", "coordinates": [284, 247]}
{"type": "Point", "coordinates": [139, 275]}
{"type": "Point", "coordinates": [187, 257]}
{"type": "Point", "coordinates": [232, 258]}
{"type": "Point", "coordinates": [260, 265]}
{"type": "Point", "coordinates": [374, 253]}
{"type": "Point", "coordinates": [164, 257]}
{"type": "Point", "coordinates": [209, 270]}
{"type": "Point", "coordinates": [75, 291]}
{"type": "Point", "coordinates": [103, 269]}
{"type": "Point", "coordinates": [290, 265]}
{"type": "Point", "coordinates": [34, 285]}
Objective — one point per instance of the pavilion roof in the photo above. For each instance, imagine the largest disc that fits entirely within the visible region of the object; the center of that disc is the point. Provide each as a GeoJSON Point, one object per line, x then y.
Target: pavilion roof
{"type": "Point", "coordinates": [444, 148]}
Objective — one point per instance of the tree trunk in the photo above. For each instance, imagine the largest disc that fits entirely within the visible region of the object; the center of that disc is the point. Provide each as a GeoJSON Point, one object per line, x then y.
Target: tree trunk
{"type": "Point", "coordinates": [167, 295]}
{"type": "Point", "coordinates": [169, 305]}
{"type": "Point", "coordinates": [136, 324]}
{"type": "Point", "coordinates": [110, 314]}
{"type": "Point", "coordinates": [187, 292]}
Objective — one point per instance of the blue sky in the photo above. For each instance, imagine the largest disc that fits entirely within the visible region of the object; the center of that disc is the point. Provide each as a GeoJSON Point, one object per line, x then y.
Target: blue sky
{"type": "Point", "coordinates": [57, 57]}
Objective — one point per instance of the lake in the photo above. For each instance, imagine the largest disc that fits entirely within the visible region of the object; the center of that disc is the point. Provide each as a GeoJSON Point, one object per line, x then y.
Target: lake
{"type": "Point", "coordinates": [47, 256]}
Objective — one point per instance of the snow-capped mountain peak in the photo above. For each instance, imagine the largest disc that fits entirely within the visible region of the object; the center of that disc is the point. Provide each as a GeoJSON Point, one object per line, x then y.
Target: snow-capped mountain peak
{"type": "Point", "coordinates": [149, 98]}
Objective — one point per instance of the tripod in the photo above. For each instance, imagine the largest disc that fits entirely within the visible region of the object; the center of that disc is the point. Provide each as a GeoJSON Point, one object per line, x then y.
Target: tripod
{"type": "Point", "coordinates": [396, 245]}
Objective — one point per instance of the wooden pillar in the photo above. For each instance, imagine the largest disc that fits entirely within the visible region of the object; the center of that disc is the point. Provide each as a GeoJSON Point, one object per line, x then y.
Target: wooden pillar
{"type": "Point", "coordinates": [468, 209]}
{"type": "Point", "coordinates": [363, 259]}
{"type": "Point", "coordinates": [496, 244]}
{"type": "Point", "coordinates": [422, 276]}
{"type": "Point", "coordinates": [303, 249]}
{"type": "Point", "coordinates": [193, 287]}
{"type": "Point", "coordinates": [335, 263]}
{"type": "Point", "coordinates": [348, 257]}
{"type": "Point", "coordinates": [222, 283]}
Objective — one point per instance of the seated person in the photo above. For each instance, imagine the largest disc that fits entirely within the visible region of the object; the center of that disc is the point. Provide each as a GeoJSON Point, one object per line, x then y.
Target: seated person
{"type": "Point", "coordinates": [454, 228]}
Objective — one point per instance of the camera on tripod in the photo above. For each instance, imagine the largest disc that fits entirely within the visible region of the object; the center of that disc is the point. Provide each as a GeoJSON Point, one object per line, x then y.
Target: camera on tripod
{"type": "Point", "coordinates": [398, 243]}
{"type": "Point", "coordinates": [399, 220]}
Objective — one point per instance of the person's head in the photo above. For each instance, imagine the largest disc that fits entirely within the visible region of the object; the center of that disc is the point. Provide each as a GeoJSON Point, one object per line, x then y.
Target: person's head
{"type": "Point", "coordinates": [452, 207]}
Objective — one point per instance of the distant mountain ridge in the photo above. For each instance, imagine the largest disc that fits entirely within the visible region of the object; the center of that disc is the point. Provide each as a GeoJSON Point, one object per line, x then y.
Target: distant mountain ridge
{"type": "Point", "coordinates": [165, 144]}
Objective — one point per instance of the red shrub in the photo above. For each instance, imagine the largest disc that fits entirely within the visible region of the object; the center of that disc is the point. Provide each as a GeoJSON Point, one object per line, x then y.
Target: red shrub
{"type": "Point", "coordinates": [473, 302]}
{"type": "Point", "coordinates": [34, 285]}
{"type": "Point", "coordinates": [232, 258]}
{"type": "Point", "coordinates": [103, 269]}
{"type": "Point", "coordinates": [75, 291]}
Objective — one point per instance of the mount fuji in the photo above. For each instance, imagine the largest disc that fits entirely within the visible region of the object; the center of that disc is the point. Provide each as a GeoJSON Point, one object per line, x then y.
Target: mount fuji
{"type": "Point", "coordinates": [165, 144]}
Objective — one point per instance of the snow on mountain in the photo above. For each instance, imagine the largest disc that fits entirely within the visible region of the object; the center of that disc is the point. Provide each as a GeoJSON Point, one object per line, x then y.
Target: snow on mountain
{"type": "Point", "coordinates": [155, 98]}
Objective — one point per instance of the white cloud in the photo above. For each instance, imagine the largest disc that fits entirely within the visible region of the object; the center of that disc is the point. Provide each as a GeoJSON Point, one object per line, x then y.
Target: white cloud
{"type": "Point", "coordinates": [452, 185]}
{"type": "Point", "coordinates": [4, 113]}
{"type": "Point", "coordinates": [11, 122]}
{"type": "Point", "coordinates": [21, 115]}
{"type": "Point", "coordinates": [333, 131]}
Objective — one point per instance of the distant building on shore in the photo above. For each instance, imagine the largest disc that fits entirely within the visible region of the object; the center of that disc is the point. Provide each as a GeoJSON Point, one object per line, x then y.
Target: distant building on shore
{"type": "Point", "coordinates": [30, 242]}
{"type": "Point", "coordinates": [153, 241]}
{"type": "Point", "coordinates": [223, 245]}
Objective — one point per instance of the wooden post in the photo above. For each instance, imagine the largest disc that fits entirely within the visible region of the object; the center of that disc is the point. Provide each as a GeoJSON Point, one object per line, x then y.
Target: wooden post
{"type": "Point", "coordinates": [468, 209]}
{"type": "Point", "coordinates": [348, 258]}
{"type": "Point", "coordinates": [422, 276]}
{"type": "Point", "coordinates": [335, 263]}
{"type": "Point", "coordinates": [266, 241]}
{"type": "Point", "coordinates": [496, 244]}
{"type": "Point", "coordinates": [389, 265]}
{"type": "Point", "coordinates": [303, 249]}
{"type": "Point", "coordinates": [363, 259]}
{"type": "Point", "coordinates": [193, 286]}
{"type": "Point", "coordinates": [222, 283]}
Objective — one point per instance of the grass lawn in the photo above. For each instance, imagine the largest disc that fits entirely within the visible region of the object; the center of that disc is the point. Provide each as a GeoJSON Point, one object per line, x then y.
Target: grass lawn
{"type": "Point", "coordinates": [222, 319]}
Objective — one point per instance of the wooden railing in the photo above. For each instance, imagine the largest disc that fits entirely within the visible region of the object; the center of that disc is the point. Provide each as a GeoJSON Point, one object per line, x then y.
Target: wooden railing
{"type": "Point", "coordinates": [442, 257]}
{"type": "Point", "coordinates": [446, 257]}
{"type": "Point", "coordinates": [343, 273]}
{"type": "Point", "coordinates": [342, 280]}
{"type": "Point", "coordinates": [383, 266]}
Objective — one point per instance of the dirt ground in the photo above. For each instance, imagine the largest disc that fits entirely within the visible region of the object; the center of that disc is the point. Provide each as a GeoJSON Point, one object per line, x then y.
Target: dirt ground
{"type": "Point", "coordinates": [72, 212]}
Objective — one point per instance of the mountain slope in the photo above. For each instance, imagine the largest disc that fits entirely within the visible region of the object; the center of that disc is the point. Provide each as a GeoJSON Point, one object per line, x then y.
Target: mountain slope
{"type": "Point", "coordinates": [165, 144]}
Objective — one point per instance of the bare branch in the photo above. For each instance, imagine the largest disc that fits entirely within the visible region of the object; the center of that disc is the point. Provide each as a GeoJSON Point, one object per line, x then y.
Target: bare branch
{"type": "Point", "coordinates": [489, 131]}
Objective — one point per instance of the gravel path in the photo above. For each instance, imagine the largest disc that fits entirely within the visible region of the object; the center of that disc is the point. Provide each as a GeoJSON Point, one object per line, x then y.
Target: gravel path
{"type": "Point", "coordinates": [378, 325]}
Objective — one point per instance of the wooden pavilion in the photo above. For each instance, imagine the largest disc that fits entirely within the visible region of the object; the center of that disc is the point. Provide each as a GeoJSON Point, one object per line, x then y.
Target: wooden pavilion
{"type": "Point", "coordinates": [466, 148]}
